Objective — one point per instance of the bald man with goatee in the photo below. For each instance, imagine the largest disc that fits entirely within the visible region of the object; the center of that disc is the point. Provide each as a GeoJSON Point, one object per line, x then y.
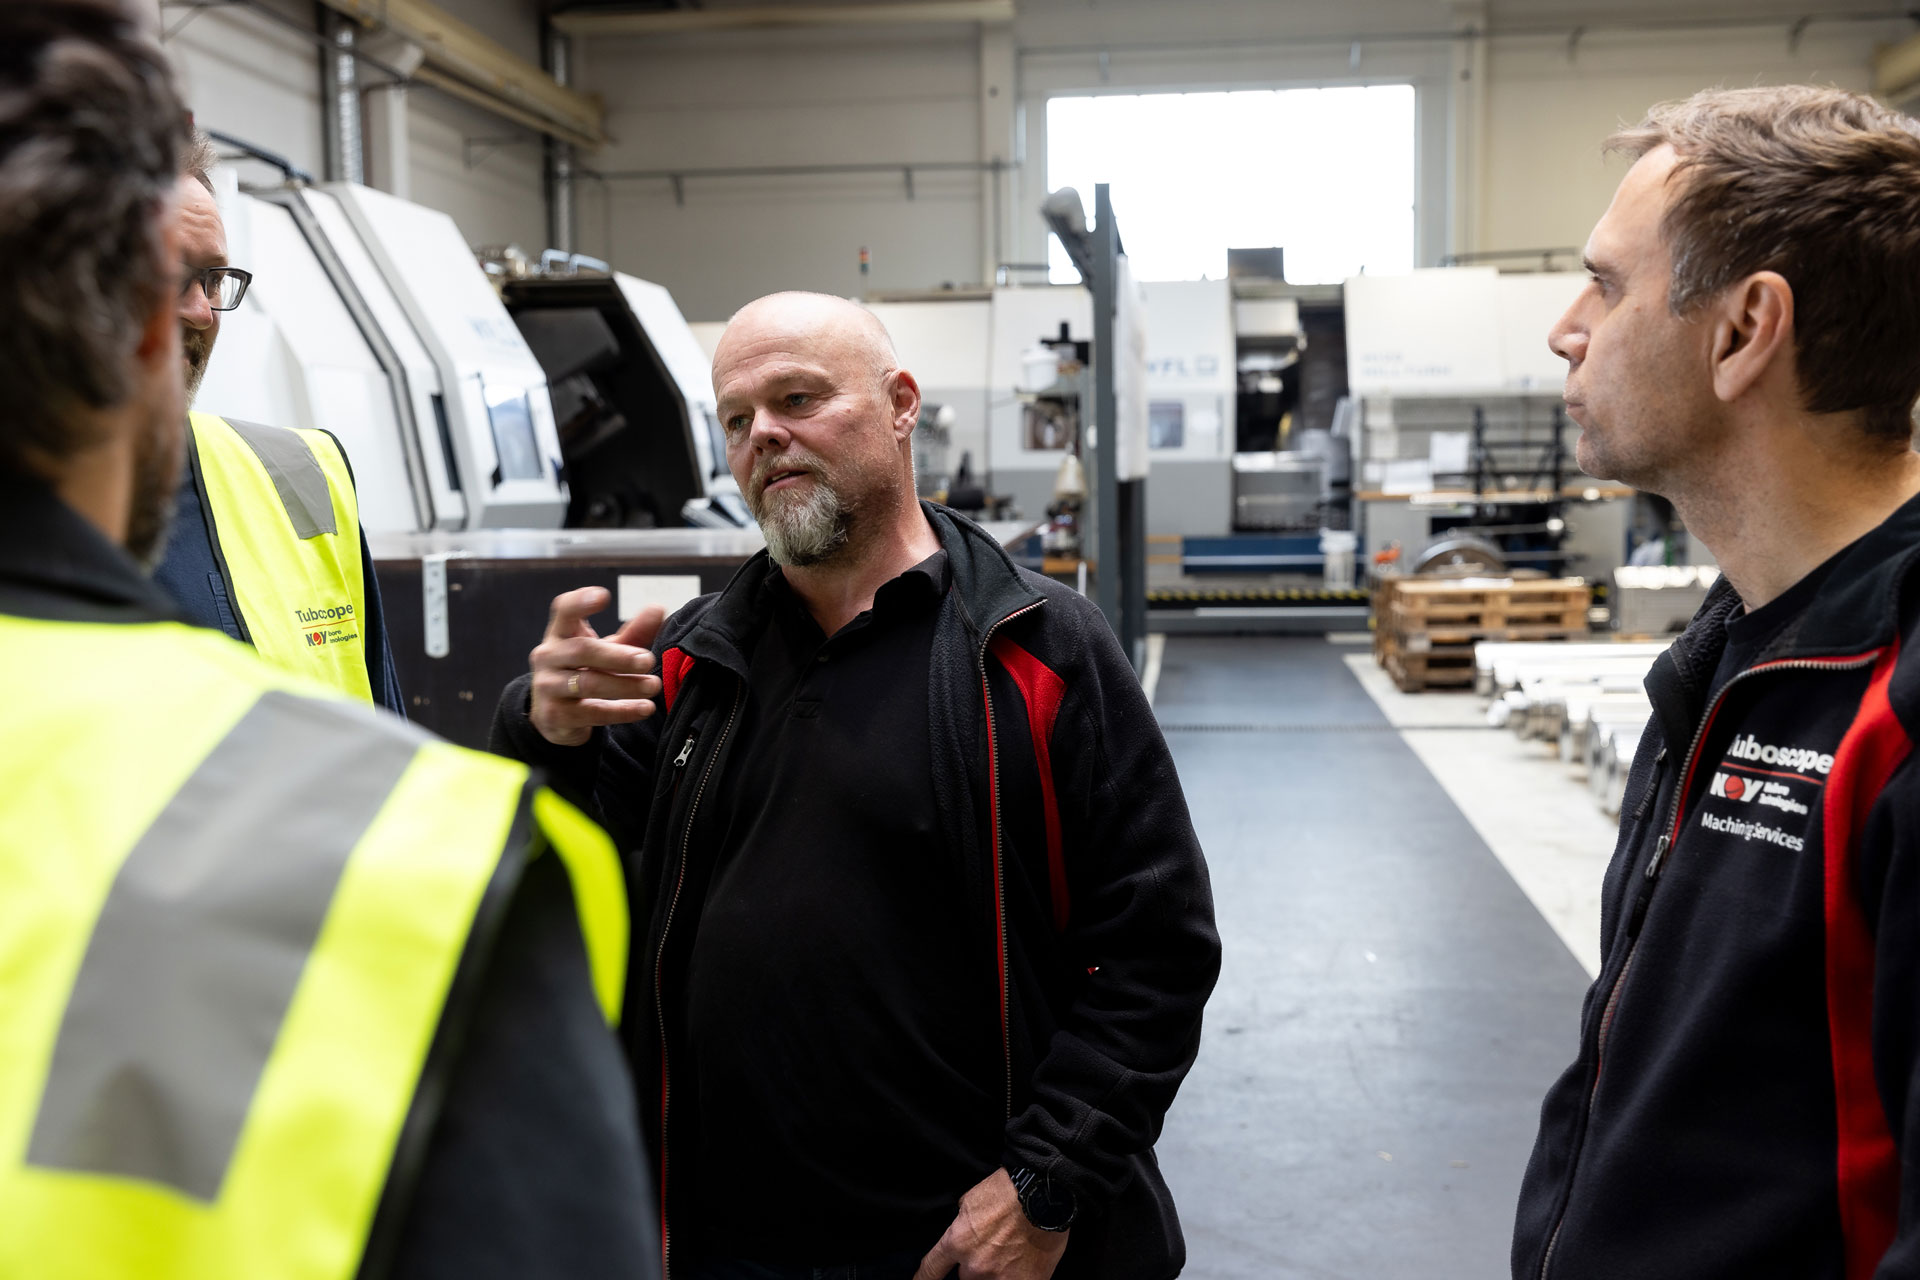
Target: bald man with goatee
{"type": "Point", "coordinates": [930, 929]}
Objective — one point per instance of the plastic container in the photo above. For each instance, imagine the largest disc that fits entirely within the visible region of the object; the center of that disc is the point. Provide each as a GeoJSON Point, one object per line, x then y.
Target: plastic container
{"type": "Point", "coordinates": [1339, 546]}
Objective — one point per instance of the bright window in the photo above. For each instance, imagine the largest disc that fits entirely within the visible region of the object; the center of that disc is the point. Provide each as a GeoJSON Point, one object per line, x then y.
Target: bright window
{"type": "Point", "coordinates": [1326, 174]}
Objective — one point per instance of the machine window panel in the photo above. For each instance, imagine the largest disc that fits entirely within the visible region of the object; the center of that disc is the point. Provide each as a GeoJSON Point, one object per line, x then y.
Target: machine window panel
{"type": "Point", "coordinates": [510, 414]}
{"type": "Point", "coordinates": [719, 439]}
{"type": "Point", "coordinates": [1166, 424]}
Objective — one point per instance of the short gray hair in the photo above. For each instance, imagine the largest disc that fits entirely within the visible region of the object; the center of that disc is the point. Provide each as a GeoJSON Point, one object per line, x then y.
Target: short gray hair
{"type": "Point", "coordinates": [92, 134]}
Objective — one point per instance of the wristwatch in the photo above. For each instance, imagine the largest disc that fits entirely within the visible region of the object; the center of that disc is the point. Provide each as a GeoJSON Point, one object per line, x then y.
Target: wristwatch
{"type": "Point", "coordinates": [1048, 1206]}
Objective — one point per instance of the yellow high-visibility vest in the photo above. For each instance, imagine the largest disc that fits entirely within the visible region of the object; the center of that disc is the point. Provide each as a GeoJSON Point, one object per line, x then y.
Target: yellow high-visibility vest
{"type": "Point", "coordinates": [231, 910]}
{"type": "Point", "coordinates": [286, 523]}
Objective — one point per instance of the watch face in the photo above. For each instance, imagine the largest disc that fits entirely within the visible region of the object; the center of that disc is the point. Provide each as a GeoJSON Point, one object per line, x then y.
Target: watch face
{"type": "Point", "coordinates": [1048, 1207]}
{"type": "Point", "coordinates": [1051, 1215]}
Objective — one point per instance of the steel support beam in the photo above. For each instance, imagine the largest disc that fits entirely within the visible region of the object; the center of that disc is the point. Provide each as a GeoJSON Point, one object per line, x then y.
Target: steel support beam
{"type": "Point", "coordinates": [588, 23]}
{"type": "Point", "coordinates": [491, 73]}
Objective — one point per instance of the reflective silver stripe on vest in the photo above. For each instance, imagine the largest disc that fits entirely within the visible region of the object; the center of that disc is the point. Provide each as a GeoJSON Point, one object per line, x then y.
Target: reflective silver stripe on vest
{"type": "Point", "coordinates": [297, 477]}
{"type": "Point", "coordinates": [202, 940]}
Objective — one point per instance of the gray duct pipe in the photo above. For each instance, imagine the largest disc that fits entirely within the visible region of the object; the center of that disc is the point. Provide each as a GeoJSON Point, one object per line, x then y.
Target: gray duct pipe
{"type": "Point", "coordinates": [340, 98]}
{"type": "Point", "coordinates": [560, 175]}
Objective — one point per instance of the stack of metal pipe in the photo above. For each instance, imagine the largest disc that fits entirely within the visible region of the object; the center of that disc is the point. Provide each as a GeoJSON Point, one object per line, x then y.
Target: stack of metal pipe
{"type": "Point", "coordinates": [1585, 701]}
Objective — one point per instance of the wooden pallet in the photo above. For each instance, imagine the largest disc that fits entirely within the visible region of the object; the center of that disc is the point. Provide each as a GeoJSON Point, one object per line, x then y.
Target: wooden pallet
{"type": "Point", "coordinates": [1426, 605]}
{"type": "Point", "coordinates": [1425, 629]}
{"type": "Point", "coordinates": [1442, 669]}
{"type": "Point", "coordinates": [1418, 639]}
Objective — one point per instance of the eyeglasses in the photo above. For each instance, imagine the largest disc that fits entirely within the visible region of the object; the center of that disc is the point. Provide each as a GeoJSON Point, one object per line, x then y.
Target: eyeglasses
{"type": "Point", "coordinates": [224, 286]}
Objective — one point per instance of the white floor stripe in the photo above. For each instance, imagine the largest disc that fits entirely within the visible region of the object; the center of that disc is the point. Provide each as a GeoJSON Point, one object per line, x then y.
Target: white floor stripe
{"type": "Point", "coordinates": [1536, 816]}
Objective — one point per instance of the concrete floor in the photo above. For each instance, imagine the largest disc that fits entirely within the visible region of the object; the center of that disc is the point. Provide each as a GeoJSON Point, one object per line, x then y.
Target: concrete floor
{"type": "Point", "coordinates": [1391, 1008]}
{"type": "Point", "coordinates": [1531, 808]}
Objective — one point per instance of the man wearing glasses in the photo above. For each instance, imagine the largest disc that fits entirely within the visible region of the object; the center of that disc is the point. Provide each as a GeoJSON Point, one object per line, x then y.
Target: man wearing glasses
{"type": "Point", "coordinates": [266, 542]}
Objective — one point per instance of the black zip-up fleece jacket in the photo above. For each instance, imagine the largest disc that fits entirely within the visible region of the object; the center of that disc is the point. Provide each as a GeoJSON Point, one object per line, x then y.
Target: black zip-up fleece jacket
{"type": "Point", "coordinates": [1744, 1102]}
{"type": "Point", "coordinates": [1063, 812]}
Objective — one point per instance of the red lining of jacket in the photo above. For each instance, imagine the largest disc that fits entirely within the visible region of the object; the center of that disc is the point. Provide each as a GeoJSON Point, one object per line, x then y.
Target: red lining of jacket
{"type": "Point", "coordinates": [674, 665]}
{"type": "Point", "coordinates": [1043, 690]}
{"type": "Point", "coordinates": [1867, 1164]}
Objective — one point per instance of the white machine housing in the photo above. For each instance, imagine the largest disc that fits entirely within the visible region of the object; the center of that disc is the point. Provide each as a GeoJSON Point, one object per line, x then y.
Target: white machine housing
{"type": "Point", "coordinates": [498, 413]}
{"type": "Point", "coordinates": [691, 369]}
{"type": "Point", "coordinates": [293, 355]}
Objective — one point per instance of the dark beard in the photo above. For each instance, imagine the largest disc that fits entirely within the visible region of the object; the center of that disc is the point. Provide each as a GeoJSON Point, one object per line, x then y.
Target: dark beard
{"type": "Point", "coordinates": [158, 457]}
{"type": "Point", "coordinates": [196, 348]}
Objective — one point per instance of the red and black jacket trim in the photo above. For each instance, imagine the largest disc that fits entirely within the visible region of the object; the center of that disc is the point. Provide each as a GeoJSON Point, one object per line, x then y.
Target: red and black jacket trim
{"type": "Point", "coordinates": [1059, 800]}
{"type": "Point", "coordinates": [1758, 1002]}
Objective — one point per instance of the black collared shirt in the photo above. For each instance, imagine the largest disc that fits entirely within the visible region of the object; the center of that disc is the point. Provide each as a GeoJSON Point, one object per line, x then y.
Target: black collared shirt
{"type": "Point", "coordinates": [845, 1044]}
{"type": "Point", "coordinates": [1749, 633]}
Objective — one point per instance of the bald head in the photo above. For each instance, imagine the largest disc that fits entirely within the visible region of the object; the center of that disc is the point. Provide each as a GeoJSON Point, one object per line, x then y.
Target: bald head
{"type": "Point", "coordinates": [840, 334]}
{"type": "Point", "coordinates": [819, 419]}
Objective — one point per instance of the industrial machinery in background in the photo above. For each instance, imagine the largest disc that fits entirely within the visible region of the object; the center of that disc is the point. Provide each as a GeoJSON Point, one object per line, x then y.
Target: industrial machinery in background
{"type": "Point", "coordinates": [1458, 427]}
{"type": "Point", "coordinates": [1291, 463]}
{"type": "Point", "coordinates": [1263, 538]}
{"type": "Point", "coordinates": [976, 351]}
{"type": "Point", "coordinates": [370, 317]}
{"type": "Point", "coordinates": [1055, 376]}
{"type": "Point", "coordinates": [374, 321]}
{"type": "Point", "coordinates": [633, 396]}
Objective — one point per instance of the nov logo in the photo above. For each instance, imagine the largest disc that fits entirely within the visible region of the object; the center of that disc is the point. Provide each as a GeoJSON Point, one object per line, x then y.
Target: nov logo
{"type": "Point", "coordinates": [316, 637]}
{"type": "Point", "coordinates": [1732, 786]}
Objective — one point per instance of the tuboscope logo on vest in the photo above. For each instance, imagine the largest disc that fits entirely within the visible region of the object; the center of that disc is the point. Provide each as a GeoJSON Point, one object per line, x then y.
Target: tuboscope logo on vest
{"type": "Point", "coordinates": [335, 623]}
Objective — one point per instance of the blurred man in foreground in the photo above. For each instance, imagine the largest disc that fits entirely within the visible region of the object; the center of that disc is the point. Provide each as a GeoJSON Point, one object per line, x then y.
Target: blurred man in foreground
{"type": "Point", "coordinates": [289, 988]}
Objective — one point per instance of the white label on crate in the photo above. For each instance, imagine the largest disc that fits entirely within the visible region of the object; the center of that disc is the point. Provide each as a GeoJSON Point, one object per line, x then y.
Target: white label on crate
{"type": "Point", "coordinates": [1419, 644]}
{"type": "Point", "coordinates": [638, 590]}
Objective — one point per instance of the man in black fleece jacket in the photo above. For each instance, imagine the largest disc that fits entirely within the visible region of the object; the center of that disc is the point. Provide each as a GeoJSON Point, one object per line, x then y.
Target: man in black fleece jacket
{"type": "Point", "coordinates": [1743, 1102]}
{"type": "Point", "coordinates": [928, 933]}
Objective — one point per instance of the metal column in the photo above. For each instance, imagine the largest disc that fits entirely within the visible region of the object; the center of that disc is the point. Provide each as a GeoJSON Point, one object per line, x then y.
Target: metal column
{"type": "Point", "coordinates": [340, 99]}
{"type": "Point", "coordinates": [1120, 552]}
{"type": "Point", "coordinates": [1106, 439]}
{"type": "Point", "coordinates": [560, 175]}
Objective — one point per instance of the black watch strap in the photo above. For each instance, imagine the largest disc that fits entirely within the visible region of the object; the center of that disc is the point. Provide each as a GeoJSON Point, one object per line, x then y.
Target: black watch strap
{"type": "Point", "coordinates": [1047, 1204]}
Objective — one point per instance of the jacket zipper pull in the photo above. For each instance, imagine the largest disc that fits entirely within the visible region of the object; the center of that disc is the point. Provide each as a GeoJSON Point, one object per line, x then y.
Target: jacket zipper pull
{"type": "Point", "coordinates": [1645, 895]}
{"type": "Point", "coordinates": [686, 753]}
{"type": "Point", "coordinates": [1653, 787]}
{"type": "Point", "coordinates": [1660, 848]}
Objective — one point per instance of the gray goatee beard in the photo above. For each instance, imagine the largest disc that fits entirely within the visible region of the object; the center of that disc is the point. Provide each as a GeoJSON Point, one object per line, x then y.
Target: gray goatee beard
{"type": "Point", "coordinates": [805, 529]}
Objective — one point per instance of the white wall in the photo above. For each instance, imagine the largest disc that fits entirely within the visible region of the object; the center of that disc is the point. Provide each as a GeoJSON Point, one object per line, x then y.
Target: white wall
{"type": "Point", "coordinates": [258, 79]}
{"type": "Point", "coordinates": [1513, 165]}
{"type": "Point", "coordinates": [795, 99]}
{"type": "Point", "coordinates": [1509, 128]}
{"type": "Point", "coordinates": [249, 76]}
{"type": "Point", "coordinates": [494, 190]}
{"type": "Point", "coordinates": [1547, 183]}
